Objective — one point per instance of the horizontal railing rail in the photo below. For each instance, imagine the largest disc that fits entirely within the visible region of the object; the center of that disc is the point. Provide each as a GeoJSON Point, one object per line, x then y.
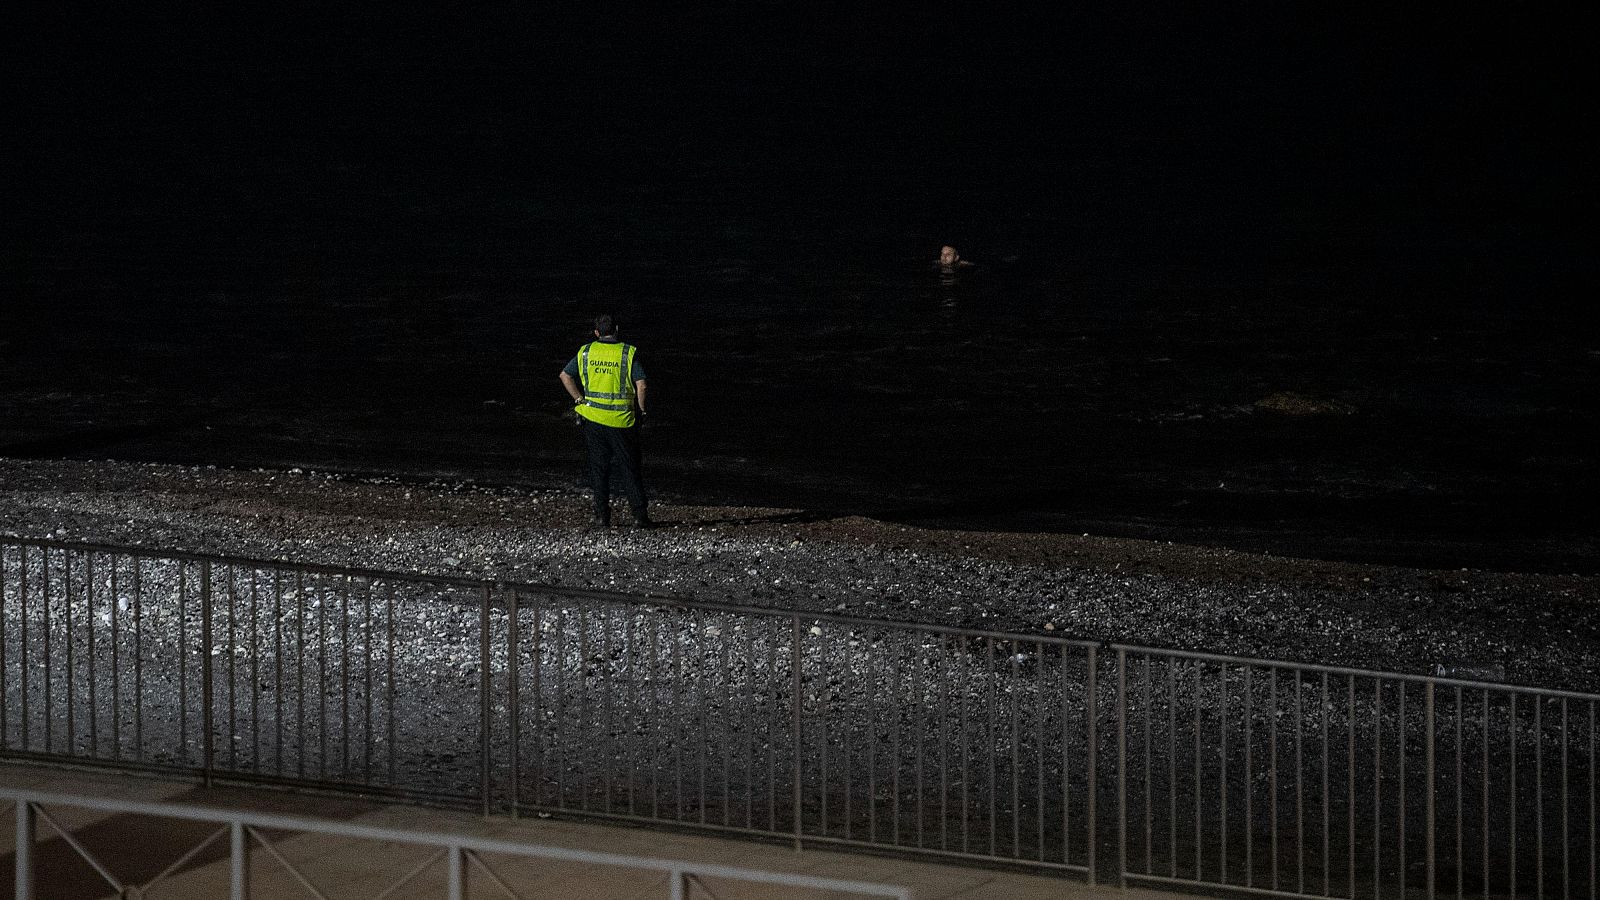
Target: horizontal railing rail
{"type": "Point", "coordinates": [249, 833]}
{"type": "Point", "coordinates": [820, 728]}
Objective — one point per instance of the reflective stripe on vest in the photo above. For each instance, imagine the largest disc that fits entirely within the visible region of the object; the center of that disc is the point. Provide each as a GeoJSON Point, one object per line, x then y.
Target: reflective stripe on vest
{"type": "Point", "coordinates": [605, 369]}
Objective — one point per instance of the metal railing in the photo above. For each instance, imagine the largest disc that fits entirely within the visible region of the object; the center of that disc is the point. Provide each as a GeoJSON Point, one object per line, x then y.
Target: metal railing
{"type": "Point", "coordinates": [247, 833]}
{"type": "Point", "coordinates": [818, 728]}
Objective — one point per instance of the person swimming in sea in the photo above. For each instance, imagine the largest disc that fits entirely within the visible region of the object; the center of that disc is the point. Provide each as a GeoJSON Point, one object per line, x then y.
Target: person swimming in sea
{"type": "Point", "coordinates": [950, 260]}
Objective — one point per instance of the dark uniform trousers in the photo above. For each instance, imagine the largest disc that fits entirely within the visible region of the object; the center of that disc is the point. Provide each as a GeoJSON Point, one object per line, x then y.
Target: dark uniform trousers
{"type": "Point", "coordinates": [614, 449]}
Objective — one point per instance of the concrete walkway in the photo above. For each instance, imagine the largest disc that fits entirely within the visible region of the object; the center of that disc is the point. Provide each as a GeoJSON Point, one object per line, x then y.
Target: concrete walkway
{"type": "Point", "coordinates": [137, 849]}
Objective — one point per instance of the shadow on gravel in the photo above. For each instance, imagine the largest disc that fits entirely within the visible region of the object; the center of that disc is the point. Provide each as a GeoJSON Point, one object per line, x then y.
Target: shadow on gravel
{"type": "Point", "coordinates": [88, 439]}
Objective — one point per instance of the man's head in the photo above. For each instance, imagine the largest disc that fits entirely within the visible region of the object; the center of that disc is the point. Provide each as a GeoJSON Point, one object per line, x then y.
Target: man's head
{"type": "Point", "coordinates": [605, 326]}
{"type": "Point", "coordinates": [948, 256]}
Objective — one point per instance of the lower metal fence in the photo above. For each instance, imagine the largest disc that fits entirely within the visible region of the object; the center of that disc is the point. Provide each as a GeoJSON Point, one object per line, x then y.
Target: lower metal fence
{"type": "Point", "coordinates": [1120, 762]}
{"type": "Point", "coordinates": [266, 856]}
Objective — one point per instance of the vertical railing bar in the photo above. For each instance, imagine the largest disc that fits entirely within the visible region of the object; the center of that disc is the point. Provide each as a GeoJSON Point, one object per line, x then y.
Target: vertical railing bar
{"type": "Point", "coordinates": [1403, 832]}
{"type": "Point", "coordinates": [1350, 778]}
{"type": "Point", "coordinates": [71, 680]}
{"type": "Point", "coordinates": [1016, 760]}
{"type": "Point", "coordinates": [300, 673]}
{"type": "Point", "coordinates": [238, 860]}
{"type": "Point", "coordinates": [23, 664]}
{"type": "Point", "coordinates": [1122, 768]}
{"type": "Point", "coordinates": [1511, 820]}
{"type": "Point", "coordinates": [1461, 871]}
{"type": "Point", "coordinates": [1222, 770]}
{"type": "Point", "coordinates": [233, 669]}
{"type": "Point", "coordinates": [944, 744]}
{"type": "Point", "coordinates": [897, 706]}
{"type": "Point", "coordinates": [871, 748]}
{"type": "Point", "coordinates": [344, 678]}
{"type": "Point", "coordinates": [484, 702]}
{"type": "Point", "coordinates": [1149, 861]}
{"type": "Point", "coordinates": [1172, 767]}
{"type": "Point", "coordinates": [49, 703]}
{"type": "Point", "coordinates": [277, 670]}
{"type": "Point", "coordinates": [116, 664]}
{"type": "Point", "coordinates": [798, 736]}
{"type": "Point", "coordinates": [183, 663]}
{"type": "Point", "coordinates": [1377, 787]}
{"type": "Point", "coordinates": [558, 737]}
{"type": "Point", "coordinates": [514, 694]}
{"type": "Point", "coordinates": [920, 717]}
{"type": "Point", "coordinates": [1566, 825]}
{"type": "Point", "coordinates": [94, 673]}
{"type": "Point", "coordinates": [5, 692]}
{"type": "Point", "coordinates": [1299, 782]}
{"type": "Point", "coordinates": [255, 671]}
{"type": "Point", "coordinates": [824, 708]}
{"type": "Point", "coordinates": [322, 677]}
{"type": "Point", "coordinates": [1484, 805]}
{"type": "Point", "coordinates": [607, 703]}
{"type": "Point", "coordinates": [1091, 716]}
{"type": "Point", "coordinates": [1538, 796]}
{"type": "Point", "coordinates": [749, 720]}
{"type": "Point", "coordinates": [1594, 835]}
{"type": "Point", "coordinates": [537, 660]}
{"type": "Point", "coordinates": [1199, 840]}
{"type": "Point", "coordinates": [655, 717]}
{"type": "Point", "coordinates": [388, 659]}
{"type": "Point", "coordinates": [1428, 830]}
{"type": "Point", "coordinates": [366, 671]}
{"type": "Point", "coordinates": [1249, 777]}
{"type": "Point", "coordinates": [1327, 792]}
{"type": "Point", "coordinates": [991, 677]}
{"type": "Point", "coordinates": [966, 776]}
{"type": "Point", "coordinates": [724, 638]}
{"type": "Point", "coordinates": [207, 676]}
{"type": "Point", "coordinates": [1066, 758]}
{"type": "Point", "coordinates": [1039, 689]}
{"type": "Point", "coordinates": [26, 837]}
{"type": "Point", "coordinates": [138, 659]}
{"type": "Point", "coordinates": [1272, 769]}
{"type": "Point", "coordinates": [703, 700]}
{"type": "Point", "coordinates": [776, 697]}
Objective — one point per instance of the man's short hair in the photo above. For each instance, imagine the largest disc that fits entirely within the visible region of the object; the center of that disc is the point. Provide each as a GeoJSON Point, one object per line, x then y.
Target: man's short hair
{"type": "Point", "coordinates": [606, 325]}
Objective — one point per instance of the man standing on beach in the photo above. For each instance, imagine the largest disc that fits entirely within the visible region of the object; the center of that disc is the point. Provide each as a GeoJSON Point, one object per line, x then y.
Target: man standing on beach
{"type": "Point", "coordinates": [606, 382]}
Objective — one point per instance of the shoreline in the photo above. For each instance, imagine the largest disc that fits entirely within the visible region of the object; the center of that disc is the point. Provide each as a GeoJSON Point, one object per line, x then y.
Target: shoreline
{"type": "Point", "coordinates": [1541, 629]}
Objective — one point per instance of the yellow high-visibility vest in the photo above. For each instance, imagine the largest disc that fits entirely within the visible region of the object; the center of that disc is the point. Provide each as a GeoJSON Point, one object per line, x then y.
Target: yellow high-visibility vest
{"type": "Point", "coordinates": [606, 370]}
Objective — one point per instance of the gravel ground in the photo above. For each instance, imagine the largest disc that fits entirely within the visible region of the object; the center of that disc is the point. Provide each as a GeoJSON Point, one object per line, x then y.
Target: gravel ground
{"type": "Point", "coordinates": [882, 704]}
{"type": "Point", "coordinates": [1537, 629]}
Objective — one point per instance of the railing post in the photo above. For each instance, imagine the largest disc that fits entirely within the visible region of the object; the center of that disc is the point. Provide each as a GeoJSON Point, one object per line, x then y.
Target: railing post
{"type": "Point", "coordinates": [24, 854]}
{"type": "Point", "coordinates": [455, 873]}
{"type": "Point", "coordinates": [514, 701]}
{"type": "Point", "coordinates": [484, 710]}
{"type": "Point", "coordinates": [1428, 742]}
{"type": "Point", "coordinates": [207, 714]}
{"type": "Point", "coordinates": [238, 862]}
{"type": "Point", "coordinates": [678, 885]}
{"type": "Point", "coordinates": [1091, 715]}
{"type": "Point", "coordinates": [799, 744]}
{"type": "Point", "coordinates": [1122, 768]}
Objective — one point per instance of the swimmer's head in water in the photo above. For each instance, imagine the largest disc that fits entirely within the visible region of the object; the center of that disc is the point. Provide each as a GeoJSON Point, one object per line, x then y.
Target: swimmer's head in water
{"type": "Point", "coordinates": [948, 256]}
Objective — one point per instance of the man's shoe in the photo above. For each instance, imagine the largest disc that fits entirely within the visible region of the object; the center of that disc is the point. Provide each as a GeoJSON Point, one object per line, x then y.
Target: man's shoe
{"type": "Point", "coordinates": [642, 521]}
{"type": "Point", "coordinates": [599, 523]}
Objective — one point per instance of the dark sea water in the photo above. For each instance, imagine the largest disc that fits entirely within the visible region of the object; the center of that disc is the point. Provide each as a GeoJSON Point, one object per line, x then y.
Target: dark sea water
{"type": "Point", "coordinates": [382, 275]}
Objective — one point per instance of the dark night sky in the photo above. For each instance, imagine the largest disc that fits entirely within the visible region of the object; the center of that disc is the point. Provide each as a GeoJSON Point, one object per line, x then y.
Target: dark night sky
{"type": "Point", "coordinates": [1288, 108]}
